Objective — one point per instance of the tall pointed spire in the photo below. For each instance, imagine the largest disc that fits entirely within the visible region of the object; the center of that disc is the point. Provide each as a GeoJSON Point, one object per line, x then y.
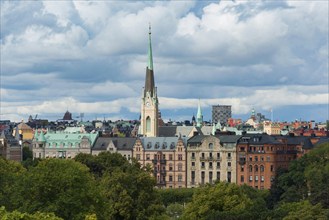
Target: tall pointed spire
{"type": "Point", "coordinates": [199, 116]}
{"type": "Point", "coordinates": [150, 58]}
{"type": "Point", "coordinates": [149, 80]}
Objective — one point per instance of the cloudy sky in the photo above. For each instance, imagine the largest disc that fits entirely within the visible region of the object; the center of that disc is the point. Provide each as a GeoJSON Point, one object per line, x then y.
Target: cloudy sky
{"type": "Point", "coordinates": [90, 57]}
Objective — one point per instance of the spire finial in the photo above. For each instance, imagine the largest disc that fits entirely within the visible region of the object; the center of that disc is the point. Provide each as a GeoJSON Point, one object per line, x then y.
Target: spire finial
{"type": "Point", "coordinates": [150, 58]}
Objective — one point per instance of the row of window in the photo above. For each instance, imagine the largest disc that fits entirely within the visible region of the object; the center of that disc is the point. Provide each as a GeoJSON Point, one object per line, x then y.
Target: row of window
{"type": "Point", "coordinates": [160, 157]}
{"type": "Point", "coordinates": [256, 179]}
{"type": "Point", "coordinates": [211, 164]}
{"type": "Point", "coordinates": [256, 169]}
{"type": "Point", "coordinates": [229, 156]}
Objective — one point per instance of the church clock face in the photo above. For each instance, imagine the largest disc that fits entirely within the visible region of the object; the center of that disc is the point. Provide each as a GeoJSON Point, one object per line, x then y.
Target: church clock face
{"type": "Point", "coordinates": [148, 104]}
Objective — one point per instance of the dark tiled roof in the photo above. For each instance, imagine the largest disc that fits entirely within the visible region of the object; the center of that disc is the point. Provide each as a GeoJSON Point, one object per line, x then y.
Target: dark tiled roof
{"type": "Point", "coordinates": [229, 138]}
{"type": "Point", "coordinates": [124, 143]}
{"type": "Point", "coordinates": [258, 139]}
{"type": "Point", "coordinates": [167, 131]}
{"type": "Point", "coordinates": [196, 139]}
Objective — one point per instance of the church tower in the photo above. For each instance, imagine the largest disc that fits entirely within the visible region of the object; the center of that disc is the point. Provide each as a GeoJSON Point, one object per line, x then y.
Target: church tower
{"type": "Point", "coordinates": [149, 108]}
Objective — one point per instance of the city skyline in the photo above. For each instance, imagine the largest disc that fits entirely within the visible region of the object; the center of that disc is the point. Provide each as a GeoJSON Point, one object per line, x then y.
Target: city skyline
{"type": "Point", "coordinates": [91, 57]}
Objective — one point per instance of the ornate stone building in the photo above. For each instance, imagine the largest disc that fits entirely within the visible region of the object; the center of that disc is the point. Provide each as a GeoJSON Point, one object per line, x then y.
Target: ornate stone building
{"type": "Point", "coordinates": [211, 158]}
{"type": "Point", "coordinates": [167, 158]}
{"type": "Point", "coordinates": [62, 145]}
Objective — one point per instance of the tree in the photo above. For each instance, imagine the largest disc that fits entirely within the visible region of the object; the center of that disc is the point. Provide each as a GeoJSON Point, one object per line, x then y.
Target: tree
{"type": "Point", "coordinates": [224, 201]}
{"type": "Point", "coordinates": [63, 187]}
{"type": "Point", "coordinates": [306, 178]}
{"type": "Point", "coordinates": [303, 210]}
{"type": "Point", "coordinates": [16, 215]}
{"type": "Point", "coordinates": [27, 153]}
{"type": "Point", "coordinates": [128, 189]}
{"type": "Point", "coordinates": [181, 195]}
{"type": "Point", "coordinates": [10, 174]}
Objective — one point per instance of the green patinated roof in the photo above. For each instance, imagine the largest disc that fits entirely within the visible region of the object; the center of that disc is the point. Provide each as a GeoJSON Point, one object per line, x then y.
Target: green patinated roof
{"type": "Point", "coordinates": [66, 138]}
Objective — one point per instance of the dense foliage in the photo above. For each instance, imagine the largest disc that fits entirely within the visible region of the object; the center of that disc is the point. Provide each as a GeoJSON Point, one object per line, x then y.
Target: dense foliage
{"type": "Point", "coordinates": [107, 186]}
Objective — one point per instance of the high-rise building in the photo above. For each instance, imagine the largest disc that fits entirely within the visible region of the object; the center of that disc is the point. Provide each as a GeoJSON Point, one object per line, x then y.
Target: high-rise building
{"type": "Point", "coordinates": [149, 107]}
{"type": "Point", "coordinates": [221, 113]}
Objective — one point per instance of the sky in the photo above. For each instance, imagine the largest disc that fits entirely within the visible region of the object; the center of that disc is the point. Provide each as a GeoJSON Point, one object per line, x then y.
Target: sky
{"type": "Point", "coordinates": [90, 57]}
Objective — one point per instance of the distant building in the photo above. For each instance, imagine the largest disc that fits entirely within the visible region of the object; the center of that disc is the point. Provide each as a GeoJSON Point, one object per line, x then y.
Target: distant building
{"type": "Point", "coordinates": [221, 113]}
{"type": "Point", "coordinates": [62, 145]}
{"type": "Point", "coordinates": [123, 146]}
{"type": "Point", "coordinates": [167, 158]}
{"type": "Point", "coordinates": [10, 147]}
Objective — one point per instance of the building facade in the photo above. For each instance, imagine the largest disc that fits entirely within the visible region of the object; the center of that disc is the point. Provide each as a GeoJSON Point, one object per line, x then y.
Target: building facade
{"type": "Point", "coordinates": [166, 156]}
{"type": "Point", "coordinates": [149, 106]}
{"type": "Point", "coordinates": [62, 145]}
{"type": "Point", "coordinates": [221, 113]}
{"type": "Point", "coordinates": [10, 147]}
{"type": "Point", "coordinates": [259, 156]}
{"type": "Point", "coordinates": [203, 160]}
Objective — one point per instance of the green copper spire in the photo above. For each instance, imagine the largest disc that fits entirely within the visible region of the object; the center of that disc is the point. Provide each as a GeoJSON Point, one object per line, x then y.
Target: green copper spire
{"type": "Point", "coordinates": [150, 58]}
{"type": "Point", "coordinates": [199, 116]}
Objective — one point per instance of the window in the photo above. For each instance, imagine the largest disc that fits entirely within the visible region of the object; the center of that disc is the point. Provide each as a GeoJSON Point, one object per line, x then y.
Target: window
{"type": "Point", "coordinates": [250, 158]}
{"type": "Point", "coordinates": [256, 178]}
{"type": "Point", "coordinates": [256, 168]}
{"type": "Point", "coordinates": [193, 155]}
{"type": "Point", "coordinates": [250, 178]}
{"type": "Point", "coordinates": [218, 155]}
{"type": "Point", "coordinates": [180, 157]}
{"type": "Point", "coordinates": [202, 165]}
{"type": "Point", "coordinates": [193, 164]}
{"type": "Point", "coordinates": [250, 168]}
{"type": "Point", "coordinates": [261, 168]}
{"type": "Point", "coordinates": [218, 176]}
{"type": "Point", "coordinates": [229, 164]}
{"type": "Point", "coordinates": [261, 158]}
{"type": "Point", "coordinates": [163, 156]}
{"type": "Point", "coordinates": [242, 168]}
{"type": "Point", "coordinates": [210, 177]}
{"type": "Point", "coordinates": [210, 155]}
{"type": "Point", "coordinates": [138, 156]}
{"type": "Point", "coordinates": [218, 164]}
{"type": "Point", "coordinates": [202, 155]}
{"type": "Point", "coordinates": [170, 167]}
{"type": "Point", "coordinates": [256, 158]}
{"type": "Point", "coordinates": [170, 178]}
{"type": "Point", "coordinates": [180, 167]}
{"type": "Point", "coordinates": [241, 178]}
{"type": "Point", "coordinates": [147, 157]}
{"type": "Point", "coordinates": [272, 168]}
{"type": "Point", "coordinates": [170, 156]}
{"type": "Point", "coordinates": [268, 158]}
{"type": "Point", "coordinates": [210, 165]}
{"type": "Point", "coordinates": [148, 124]}
{"type": "Point", "coordinates": [202, 177]}
{"type": "Point", "coordinates": [211, 146]}
{"type": "Point", "coordinates": [262, 178]}
{"type": "Point", "coordinates": [229, 155]}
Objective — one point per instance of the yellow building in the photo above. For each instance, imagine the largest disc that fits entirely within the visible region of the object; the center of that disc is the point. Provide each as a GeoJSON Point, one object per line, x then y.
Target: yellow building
{"type": "Point", "coordinates": [24, 130]}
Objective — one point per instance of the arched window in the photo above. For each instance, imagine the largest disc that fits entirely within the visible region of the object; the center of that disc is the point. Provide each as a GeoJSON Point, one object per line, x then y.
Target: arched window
{"type": "Point", "coordinates": [148, 124]}
{"type": "Point", "coordinates": [211, 146]}
{"type": "Point", "coordinates": [261, 168]}
{"type": "Point", "coordinates": [256, 168]}
{"type": "Point", "coordinates": [250, 168]}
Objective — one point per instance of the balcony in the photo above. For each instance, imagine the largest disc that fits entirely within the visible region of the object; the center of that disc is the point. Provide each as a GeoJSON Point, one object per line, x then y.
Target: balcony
{"type": "Point", "coordinates": [161, 183]}
{"type": "Point", "coordinates": [193, 158]}
{"type": "Point", "coordinates": [202, 158]}
{"type": "Point", "coordinates": [163, 161]}
{"type": "Point", "coordinates": [210, 158]}
{"type": "Point", "coordinates": [203, 167]}
{"type": "Point", "coordinates": [218, 159]}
